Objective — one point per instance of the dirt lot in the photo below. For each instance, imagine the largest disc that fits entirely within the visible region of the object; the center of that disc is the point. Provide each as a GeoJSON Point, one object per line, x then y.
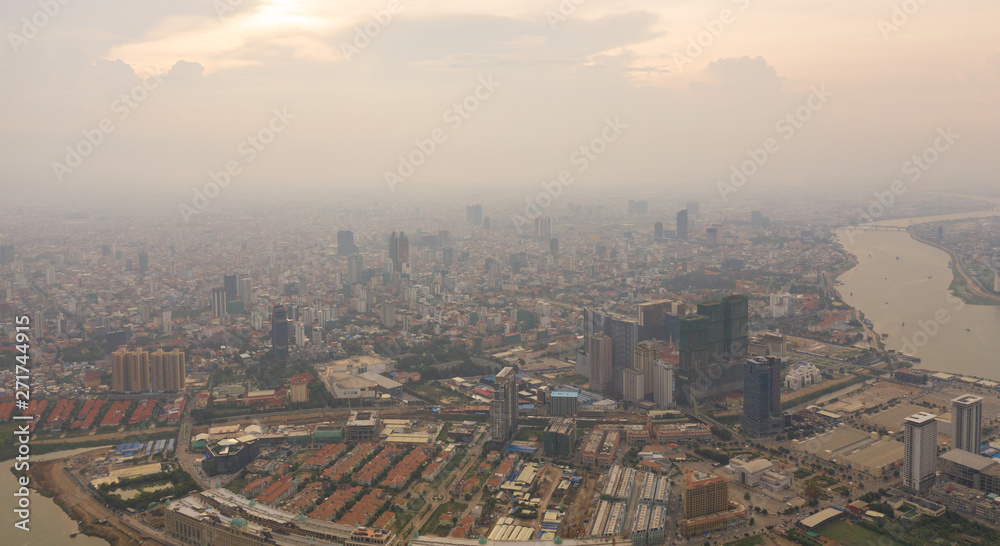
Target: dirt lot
{"type": "Point", "coordinates": [880, 393]}
{"type": "Point", "coordinates": [110, 437]}
{"type": "Point", "coordinates": [50, 477]}
{"type": "Point", "coordinates": [573, 525]}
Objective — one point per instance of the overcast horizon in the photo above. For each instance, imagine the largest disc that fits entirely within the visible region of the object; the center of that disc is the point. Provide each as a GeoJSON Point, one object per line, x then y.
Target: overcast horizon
{"type": "Point", "coordinates": [138, 98]}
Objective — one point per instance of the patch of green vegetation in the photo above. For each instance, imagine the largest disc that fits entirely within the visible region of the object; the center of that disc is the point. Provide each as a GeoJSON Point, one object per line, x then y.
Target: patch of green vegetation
{"type": "Point", "coordinates": [180, 483]}
{"type": "Point", "coordinates": [435, 520]}
{"type": "Point", "coordinates": [846, 533]}
{"type": "Point", "coordinates": [747, 541]}
{"type": "Point", "coordinates": [803, 473]}
{"type": "Point", "coordinates": [574, 379]}
{"type": "Point", "coordinates": [529, 434]}
{"type": "Point", "coordinates": [822, 481]}
{"type": "Point", "coordinates": [443, 435]}
{"type": "Point", "coordinates": [437, 394]}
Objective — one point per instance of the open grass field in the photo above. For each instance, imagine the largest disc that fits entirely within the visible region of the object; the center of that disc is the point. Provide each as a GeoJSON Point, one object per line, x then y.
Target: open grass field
{"type": "Point", "coordinates": [845, 533]}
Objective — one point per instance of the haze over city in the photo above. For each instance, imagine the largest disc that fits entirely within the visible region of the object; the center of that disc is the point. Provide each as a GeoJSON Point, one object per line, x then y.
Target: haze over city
{"type": "Point", "coordinates": [692, 110]}
{"type": "Point", "coordinates": [502, 273]}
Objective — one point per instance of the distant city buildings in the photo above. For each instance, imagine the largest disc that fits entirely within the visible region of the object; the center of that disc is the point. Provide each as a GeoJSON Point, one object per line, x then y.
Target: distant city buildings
{"type": "Point", "coordinates": [474, 214]}
{"type": "Point", "coordinates": [345, 243]}
{"type": "Point", "coordinates": [682, 224]}
{"type": "Point", "coordinates": [218, 302]}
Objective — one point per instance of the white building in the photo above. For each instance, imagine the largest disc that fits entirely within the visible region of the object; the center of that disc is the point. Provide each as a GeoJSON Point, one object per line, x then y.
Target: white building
{"type": "Point", "coordinates": [750, 473]}
{"type": "Point", "coordinates": [920, 451]}
{"type": "Point", "coordinates": [803, 375]}
{"type": "Point", "coordinates": [663, 384]}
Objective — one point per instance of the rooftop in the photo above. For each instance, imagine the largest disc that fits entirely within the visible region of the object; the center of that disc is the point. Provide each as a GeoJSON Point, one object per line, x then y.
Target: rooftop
{"type": "Point", "coordinates": [971, 460]}
{"type": "Point", "coordinates": [921, 418]}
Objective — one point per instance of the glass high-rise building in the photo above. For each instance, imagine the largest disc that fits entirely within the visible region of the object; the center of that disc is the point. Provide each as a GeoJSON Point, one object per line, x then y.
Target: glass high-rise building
{"type": "Point", "coordinates": [713, 343]}
{"type": "Point", "coordinates": [345, 243]}
{"type": "Point", "coordinates": [762, 396]}
{"type": "Point", "coordinates": [279, 333]}
{"type": "Point", "coordinates": [682, 224]}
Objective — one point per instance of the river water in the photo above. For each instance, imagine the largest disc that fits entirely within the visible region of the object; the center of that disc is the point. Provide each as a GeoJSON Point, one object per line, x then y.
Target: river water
{"type": "Point", "coordinates": [902, 287]}
{"type": "Point", "coordinates": [49, 525]}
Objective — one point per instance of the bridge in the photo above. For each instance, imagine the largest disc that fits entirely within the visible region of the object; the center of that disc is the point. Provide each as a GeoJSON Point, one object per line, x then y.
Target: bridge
{"type": "Point", "coordinates": [879, 228]}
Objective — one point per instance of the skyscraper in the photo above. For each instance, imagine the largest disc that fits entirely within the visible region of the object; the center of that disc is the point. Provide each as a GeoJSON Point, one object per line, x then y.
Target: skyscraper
{"type": "Point", "coordinates": [388, 312]}
{"type": "Point", "coordinates": [967, 419]}
{"type": "Point", "coordinates": [704, 494]}
{"type": "Point", "coordinates": [279, 333]}
{"type": "Point", "coordinates": [716, 337]}
{"type": "Point", "coordinates": [245, 290]}
{"type": "Point", "coordinates": [474, 214]}
{"type": "Point", "coordinates": [503, 407]}
{"type": "Point", "coordinates": [231, 287]}
{"type": "Point", "coordinates": [355, 269]}
{"type": "Point", "coordinates": [663, 384]}
{"type": "Point", "coordinates": [543, 228]}
{"type": "Point", "coordinates": [167, 321]}
{"type": "Point", "coordinates": [554, 246]}
{"type": "Point", "coordinates": [218, 302]}
{"type": "Point", "coordinates": [919, 451]}
{"type": "Point", "coordinates": [712, 237]}
{"type": "Point", "coordinates": [762, 396]}
{"type": "Point", "coordinates": [658, 231]}
{"type": "Point", "coordinates": [345, 243]}
{"type": "Point", "coordinates": [6, 254]}
{"type": "Point", "coordinates": [143, 262]}
{"type": "Point", "coordinates": [399, 250]}
{"type": "Point", "coordinates": [682, 224]}
{"type": "Point", "coordinates": [643, 360]}
{"type": "Point", "coordinates": [166, 370]}
{"type": "Point", "coordinates": [129, 371]}
{"type": "Point", "coordinates": [599, 355]}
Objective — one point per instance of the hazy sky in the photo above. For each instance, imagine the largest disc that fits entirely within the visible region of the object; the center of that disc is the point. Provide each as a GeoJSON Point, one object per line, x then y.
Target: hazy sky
{"type": "Point", "coordinates": [561, 71]}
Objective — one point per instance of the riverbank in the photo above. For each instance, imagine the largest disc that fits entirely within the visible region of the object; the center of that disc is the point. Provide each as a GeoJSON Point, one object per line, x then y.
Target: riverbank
{"type": "Point", "coordinates": [52, 478]}
{"type": "Point", "coordinates": [962, 286]}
